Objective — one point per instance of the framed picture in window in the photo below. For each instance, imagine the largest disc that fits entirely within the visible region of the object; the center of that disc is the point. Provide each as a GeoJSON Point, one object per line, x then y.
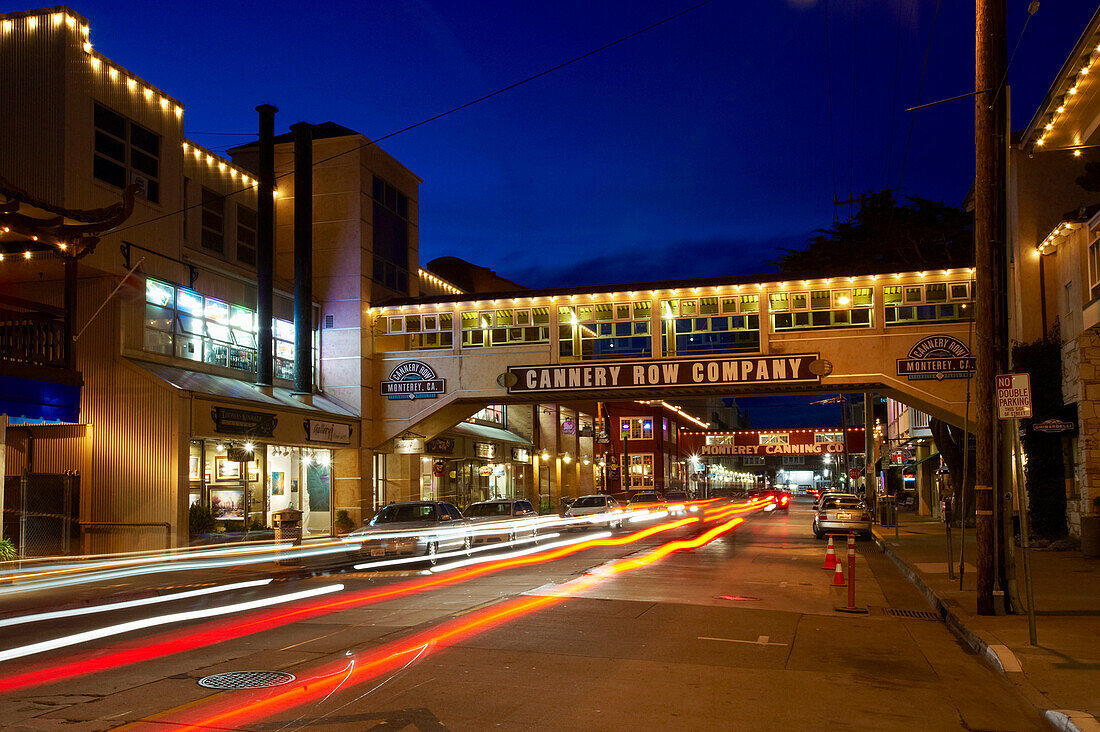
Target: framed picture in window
{"type": "Point", "coordinates": [194, 471]}
{"type": "Point", "coordinates": [227, 504]}
{"type": "Point", "coordinates": [226, 469]}
{"type": "Point", "coordinates": [253, 473]}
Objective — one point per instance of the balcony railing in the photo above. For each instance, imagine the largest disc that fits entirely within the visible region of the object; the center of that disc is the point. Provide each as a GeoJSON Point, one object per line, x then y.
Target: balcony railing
{"type": "Point", "coordinates": [32, 334]}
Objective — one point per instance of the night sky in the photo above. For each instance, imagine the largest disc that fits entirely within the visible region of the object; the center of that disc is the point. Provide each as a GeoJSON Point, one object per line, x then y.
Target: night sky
{"type": "Point", "coordinates": [697, 148]}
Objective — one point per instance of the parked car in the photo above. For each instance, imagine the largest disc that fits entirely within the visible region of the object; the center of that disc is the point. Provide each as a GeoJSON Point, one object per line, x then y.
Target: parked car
{"type": "Point", "coordinates": [414, 528]}
{"type": "Point", "coordinates": [501, 520]}
{"type": "Point", "coordinates": [840, 513]}
{"type": "Point", "coordinates": [594, 505]}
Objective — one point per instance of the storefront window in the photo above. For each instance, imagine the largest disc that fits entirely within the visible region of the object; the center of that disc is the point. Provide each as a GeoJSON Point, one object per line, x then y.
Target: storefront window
{"type": "Point", "coordinates": [184, 323]}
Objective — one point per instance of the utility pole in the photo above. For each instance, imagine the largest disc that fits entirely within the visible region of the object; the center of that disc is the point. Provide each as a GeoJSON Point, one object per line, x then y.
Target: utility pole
{"type": "Point", "coordinates": [989, 56]}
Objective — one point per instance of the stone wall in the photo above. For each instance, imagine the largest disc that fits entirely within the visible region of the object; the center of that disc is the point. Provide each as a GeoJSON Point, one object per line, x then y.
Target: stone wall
{"type": "Point", "coordinates": [1081, 384]}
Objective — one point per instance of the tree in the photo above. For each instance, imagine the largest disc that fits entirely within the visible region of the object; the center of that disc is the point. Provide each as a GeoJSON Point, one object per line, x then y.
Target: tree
{"type": "Point", "coordinates": [885, 237]}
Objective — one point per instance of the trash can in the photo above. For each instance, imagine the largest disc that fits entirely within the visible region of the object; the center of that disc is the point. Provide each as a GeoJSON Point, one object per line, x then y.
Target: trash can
{"type": "Point", "coordinates": [288, 528]}
{"type": "Point", "coordinates": [887, 512]}
{"type": "Point", "coordinates": [1090, 536]}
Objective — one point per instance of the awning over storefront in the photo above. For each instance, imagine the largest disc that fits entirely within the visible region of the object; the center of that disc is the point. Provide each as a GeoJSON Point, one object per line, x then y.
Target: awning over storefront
{"type": "Point", "coordinates": [226, 406]}
{"type": "Point", "coordinates": [483, 432]}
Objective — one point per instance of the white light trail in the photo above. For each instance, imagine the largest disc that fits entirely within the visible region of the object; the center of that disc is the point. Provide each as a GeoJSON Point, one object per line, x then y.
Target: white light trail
{"type": "Point", "coordinates": [522, 552]}
{"type": "Point", "coordinates": [121, 628]}
{"type": "Point", "coordinates": [22, 619]}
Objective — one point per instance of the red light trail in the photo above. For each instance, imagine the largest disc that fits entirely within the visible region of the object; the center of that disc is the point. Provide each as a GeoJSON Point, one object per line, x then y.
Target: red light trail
{"type": "Point", "coordinates": [227, 713]}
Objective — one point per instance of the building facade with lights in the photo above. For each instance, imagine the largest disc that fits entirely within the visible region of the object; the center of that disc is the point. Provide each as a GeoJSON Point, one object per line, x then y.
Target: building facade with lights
{"type": "Point", "coordinates": [157, 409]}
{"type": "Point", "coordinates": [1054, 299]}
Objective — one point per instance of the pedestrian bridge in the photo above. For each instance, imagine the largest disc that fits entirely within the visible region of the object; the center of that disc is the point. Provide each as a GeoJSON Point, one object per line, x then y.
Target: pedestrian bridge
{"type": "Point", "coordinates": [438, 360]}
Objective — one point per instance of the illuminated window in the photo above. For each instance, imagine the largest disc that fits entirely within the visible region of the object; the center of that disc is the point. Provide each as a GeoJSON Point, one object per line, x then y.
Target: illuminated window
{"type": "Point", "coordinates": [775, 438]}
{"type": "Point", "coordinates": [493, 414]}
{"type": "Point", "coordinates": [636, 428]}
{"type": "Point", "coordinates": [641, 471]}
{"type": "Point", "coordinates": [821, 438]}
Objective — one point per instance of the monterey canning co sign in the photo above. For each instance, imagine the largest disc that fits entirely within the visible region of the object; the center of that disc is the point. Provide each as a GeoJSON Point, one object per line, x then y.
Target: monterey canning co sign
{"type": "Point", "coordinates": [735, 371]}
{"type": "Point", "coordinates": [937, 357]}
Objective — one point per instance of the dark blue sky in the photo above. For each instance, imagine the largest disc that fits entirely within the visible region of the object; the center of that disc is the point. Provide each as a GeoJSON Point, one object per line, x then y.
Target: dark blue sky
{"type": "Point", "coordinates": [696, 148]}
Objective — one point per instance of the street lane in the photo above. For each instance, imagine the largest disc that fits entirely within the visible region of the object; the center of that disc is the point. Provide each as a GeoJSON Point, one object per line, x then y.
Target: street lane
{"type": "Point", "coordinates": [659, 646]}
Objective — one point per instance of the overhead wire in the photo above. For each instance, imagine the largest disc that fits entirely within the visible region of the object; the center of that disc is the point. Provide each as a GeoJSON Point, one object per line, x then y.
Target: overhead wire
{"type": "Point", "coordinates": [441, 115]}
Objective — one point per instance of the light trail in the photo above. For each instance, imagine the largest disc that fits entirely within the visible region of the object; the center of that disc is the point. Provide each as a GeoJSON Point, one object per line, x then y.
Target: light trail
{"type": "Point", "coordinates": [90, 635]}
{"type": "Point", "coordinates": [227, 714]}
{"type": "Point", "coordinates": [38, 617]}
{"type": "Point", "coordinates": [266, 621]}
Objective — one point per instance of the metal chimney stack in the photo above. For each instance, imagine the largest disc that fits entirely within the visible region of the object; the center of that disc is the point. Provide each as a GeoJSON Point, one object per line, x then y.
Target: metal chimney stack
{"type": "Point", "coordinates": [303, 260]}
{"type": "Point", "coordinates": [265, 247]}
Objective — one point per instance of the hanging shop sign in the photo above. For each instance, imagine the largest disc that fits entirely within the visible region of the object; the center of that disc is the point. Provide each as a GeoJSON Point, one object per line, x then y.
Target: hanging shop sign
{"type": "Point", "coordinates": [520, 455]}
{"type": "Point", "coordinates": [585, 430]}
{"type": "Point", "coordinates": [408, 445]}
{"type": "Point", "coordinates": [1053, 426]}
{"type": "Point", "coordinates": [1013, 396]}
{"type": "Point", "coordinates": [485, 450]}
{"type": "Point", "coordinates": [242, 422]}
{"type": "Point", "coordinates": [334, 432]}
{"type": "Point", "coordinates": [568, 427]}
{"type": "Point", "coordinates": [937, 357]}
{"type": "Point", "coordinates": [602, 438]}
{"type": "Point", "coordinates": [439, 468]}
{"type": "Point", "coordinates": [736, 371]}
{"type": "Point", "coordinates": [413, 380]}
{"type": "Point", "coordinates": [440, 446]}
{"type": "Point", "coordinates": [485, 471]}
{"type": "Point", "coordinates": [900, 457]}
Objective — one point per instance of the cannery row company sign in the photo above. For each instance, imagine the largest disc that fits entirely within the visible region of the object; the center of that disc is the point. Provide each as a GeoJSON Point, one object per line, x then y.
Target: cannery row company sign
{"type": "Point", "coordinates": [243, 422]}
{"type": "Point", "coordinates": [413, 380]}
{"type": "Point", "coordinates": [937, 357]}
{"type": "Point", "coordinates": [813, 449]}
{"type": "Point", "coordinates": [736, 371]}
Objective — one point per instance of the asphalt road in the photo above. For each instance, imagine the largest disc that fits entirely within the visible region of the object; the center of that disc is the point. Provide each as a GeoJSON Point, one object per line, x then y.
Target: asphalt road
{"type": "Point", "coordinates": [738, 633]}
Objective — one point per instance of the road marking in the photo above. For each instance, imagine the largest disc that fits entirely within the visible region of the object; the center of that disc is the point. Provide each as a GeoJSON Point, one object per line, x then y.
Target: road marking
{"type": "Point", "coordinates": [761, 641]}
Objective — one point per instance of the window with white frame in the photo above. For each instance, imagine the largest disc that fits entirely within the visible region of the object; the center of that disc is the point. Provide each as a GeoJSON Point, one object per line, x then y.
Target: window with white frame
{"type": "Point", "coordinates": [636, 428]}
{"type": "Point", "coordinates": [491, 414]}
{"type": "Point", "coordinates": [424, 330]}
{"type": "Point", "coordinates": [775, 438]}
{"type": "Point", "coordinates": [827, 437]}
{"type": "Point", "coordinates": [1094, 264]}
{"type": "Point", "coordinates": [641, 470]}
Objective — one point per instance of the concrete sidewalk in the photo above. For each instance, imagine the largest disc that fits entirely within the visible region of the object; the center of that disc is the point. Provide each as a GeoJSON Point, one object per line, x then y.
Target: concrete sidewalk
{"type": "Point", "coordinates": [1060, 675]}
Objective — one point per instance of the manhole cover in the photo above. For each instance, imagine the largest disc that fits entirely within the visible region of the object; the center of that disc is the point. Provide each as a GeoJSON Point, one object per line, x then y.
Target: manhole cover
{"type": "Point", "coordinates": [916, 614]}
{"type": "Point", "coordinates": [246, 680]}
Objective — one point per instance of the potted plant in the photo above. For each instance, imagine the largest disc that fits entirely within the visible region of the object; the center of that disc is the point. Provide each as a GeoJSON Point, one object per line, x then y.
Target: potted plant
{"type": "Point", "coordinates": [7, 551]}
{"type": "Point", "coordinates": [343, 523]}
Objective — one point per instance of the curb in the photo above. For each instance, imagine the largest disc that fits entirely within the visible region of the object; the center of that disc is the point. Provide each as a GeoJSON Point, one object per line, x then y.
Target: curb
{"type": "Point", "coordinates": [1063, 720]}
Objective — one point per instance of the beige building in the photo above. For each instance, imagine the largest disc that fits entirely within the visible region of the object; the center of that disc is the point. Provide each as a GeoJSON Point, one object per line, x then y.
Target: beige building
{"type": "Point", "coordinates": [160, 383]}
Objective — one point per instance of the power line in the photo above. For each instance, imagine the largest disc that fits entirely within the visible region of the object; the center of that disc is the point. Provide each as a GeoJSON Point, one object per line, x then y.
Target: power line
{"type": "Point", "coordinates": [450, 111]}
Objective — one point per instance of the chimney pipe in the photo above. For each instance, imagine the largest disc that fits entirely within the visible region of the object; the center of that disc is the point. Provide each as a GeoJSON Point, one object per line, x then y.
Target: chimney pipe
{"type": "Point", "coordinates": [265, 247]}
{"type": "Point", "coordinates": [303, 259]}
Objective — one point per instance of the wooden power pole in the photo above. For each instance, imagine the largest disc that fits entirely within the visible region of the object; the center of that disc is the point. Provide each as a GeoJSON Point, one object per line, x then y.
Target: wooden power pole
{"type": "Point", "coordinates": [989, 56]}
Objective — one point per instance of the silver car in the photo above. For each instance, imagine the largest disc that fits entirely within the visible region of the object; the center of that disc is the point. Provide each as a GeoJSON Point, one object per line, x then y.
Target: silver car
{"type": "Point", "coordinates": [414, 528]}
{"type": "Point", "coordinates": [839, 513]}
{"type": "Point", "coordinates": [501, 520]}
{"type": "Point", "coordinates": [594, 509]}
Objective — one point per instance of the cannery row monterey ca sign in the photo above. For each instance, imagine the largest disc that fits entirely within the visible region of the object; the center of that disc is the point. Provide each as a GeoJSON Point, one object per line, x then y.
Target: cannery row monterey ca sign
{"type": "Point", "coordinates": [937, 357]}
{"type": "Point", "coordinates": [736, 371]}
{"type": "Point", "coordinates": [412, 380]}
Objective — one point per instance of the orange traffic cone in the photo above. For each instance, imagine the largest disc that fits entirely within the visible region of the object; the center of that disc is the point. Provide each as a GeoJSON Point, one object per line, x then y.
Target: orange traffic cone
{"type": "Point", "coordinates": [838, 576]}
{"type": "Point", "coordinates": [830, 555]}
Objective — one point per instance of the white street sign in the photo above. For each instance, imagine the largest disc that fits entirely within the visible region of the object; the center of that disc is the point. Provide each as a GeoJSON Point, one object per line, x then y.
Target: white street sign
{"type": "Point", "coordinates": [1013, 396]}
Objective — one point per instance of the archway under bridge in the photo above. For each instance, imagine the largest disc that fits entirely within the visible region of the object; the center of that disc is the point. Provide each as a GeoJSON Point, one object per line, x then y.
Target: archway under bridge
{"type": "Point", "coordinates": [926, 372]}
